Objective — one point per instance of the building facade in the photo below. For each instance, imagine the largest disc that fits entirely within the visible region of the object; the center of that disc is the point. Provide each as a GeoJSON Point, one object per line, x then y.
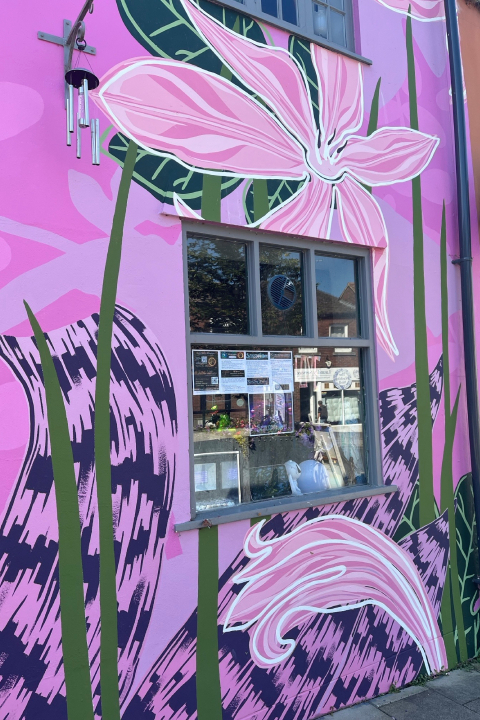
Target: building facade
{"type": "Point", "coordinates": [280, 408]}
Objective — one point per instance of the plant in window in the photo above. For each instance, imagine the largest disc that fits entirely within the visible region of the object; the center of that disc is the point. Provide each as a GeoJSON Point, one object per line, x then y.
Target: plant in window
{"type": "Point", "coordinates": [206, 122]}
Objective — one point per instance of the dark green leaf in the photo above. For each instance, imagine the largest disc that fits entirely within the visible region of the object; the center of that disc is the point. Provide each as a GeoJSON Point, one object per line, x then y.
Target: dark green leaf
{"type": "Point", "coordinates": [278, 192]}
{"type": "Point", "coordinates": [164, 29]}
{"type": "Point", "coordinates": [162, 176]}
{"type": "Point", "coordinates": [467, 561]}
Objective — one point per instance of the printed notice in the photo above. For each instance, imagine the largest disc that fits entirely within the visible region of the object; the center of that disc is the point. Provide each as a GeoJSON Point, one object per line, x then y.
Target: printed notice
{"type": "Point", "coordinates": [205, 372]}
{"type": "Point", "coordinates": [238, 372]}
{"type": "Point", "coordinates": [258, 371]}
{"type": "Point", "coordinates": [281, 368]}
{"type": "Point", "coordinates": [232, 372]}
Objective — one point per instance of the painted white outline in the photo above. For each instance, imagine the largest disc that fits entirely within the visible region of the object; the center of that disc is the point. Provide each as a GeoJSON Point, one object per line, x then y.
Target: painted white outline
{"type": "Point", "coordinates": [353, 174]}
{"type": "Point", "coordinates": [410, 583]}
{"type": "Point", "coordinates": [271, 48]}
{"type": "Point", "coordinates": [321, 103]}
{"type": "Point", "coordinates": [414, 17]}
{"type": "Point", "coordinates": [161, 62]}
{"type": "Point", "coordinates": [389, 341]}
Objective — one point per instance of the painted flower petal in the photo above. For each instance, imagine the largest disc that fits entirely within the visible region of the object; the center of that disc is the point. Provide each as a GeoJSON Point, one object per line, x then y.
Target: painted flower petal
{"type": "Point", "coordinates": [387, 156]}
{"type": "Point", "coordinates": [270, 72]}
{"type": "Point", "coordinates": [327, 565]}
{"type": "Point", "coordinates": [184, 210]}
{"type": "Point", "coordinates": [362, 223]}
{"type": "Point", "coordinates": [340, 96]}
{"type": "Point", "coordinates": [308, 213]}
{"type": "Point", "coordinates": [426, 10]}
{"type": "Point", "coordinates": [172, 108]}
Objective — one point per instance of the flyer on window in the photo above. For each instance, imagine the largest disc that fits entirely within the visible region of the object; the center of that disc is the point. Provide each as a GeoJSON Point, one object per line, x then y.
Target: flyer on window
{"type": "Point", "coordinates": [237, 372]}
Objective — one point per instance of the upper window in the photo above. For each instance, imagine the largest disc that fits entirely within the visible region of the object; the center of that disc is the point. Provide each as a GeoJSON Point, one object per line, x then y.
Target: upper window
{"type": "Point", "coordinates": [329, 22]}
{"type": "Point", "coordinates": [283, 399]}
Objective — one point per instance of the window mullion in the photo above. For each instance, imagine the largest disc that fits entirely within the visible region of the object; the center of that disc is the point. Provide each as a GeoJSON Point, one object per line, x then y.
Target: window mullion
{"type": "Point", "coordinates": [256, 298]}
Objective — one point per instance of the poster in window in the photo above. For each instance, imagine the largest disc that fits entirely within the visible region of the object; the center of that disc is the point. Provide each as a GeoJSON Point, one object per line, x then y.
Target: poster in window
{"type": "Point", "coordinates": [205, 371]}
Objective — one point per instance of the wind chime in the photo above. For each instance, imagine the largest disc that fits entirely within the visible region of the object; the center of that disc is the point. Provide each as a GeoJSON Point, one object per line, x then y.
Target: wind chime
{"type": "Point", "coordinates": [83, 81]}
{"type": "Point", "coordinates": [79, 79]}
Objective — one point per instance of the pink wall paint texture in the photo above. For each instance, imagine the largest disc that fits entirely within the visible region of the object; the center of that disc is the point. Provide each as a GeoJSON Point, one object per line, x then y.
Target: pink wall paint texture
{"type": "Point", "coordinates": [317, 608]}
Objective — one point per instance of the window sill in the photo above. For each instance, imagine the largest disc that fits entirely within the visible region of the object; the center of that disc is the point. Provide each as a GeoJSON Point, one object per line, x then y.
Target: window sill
{"type": "Point", "coordinates": [280, 505]}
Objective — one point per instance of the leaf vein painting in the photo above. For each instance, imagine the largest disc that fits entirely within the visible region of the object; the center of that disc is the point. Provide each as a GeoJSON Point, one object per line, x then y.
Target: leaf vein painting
{"type": "Point", "coordinates": [207, 123]}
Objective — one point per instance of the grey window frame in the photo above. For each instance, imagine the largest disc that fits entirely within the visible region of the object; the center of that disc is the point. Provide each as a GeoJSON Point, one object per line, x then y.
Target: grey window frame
{"type": "Point", "coordinates": [304, 28]}
{"type": "Point", "coordinates": [365, 343]}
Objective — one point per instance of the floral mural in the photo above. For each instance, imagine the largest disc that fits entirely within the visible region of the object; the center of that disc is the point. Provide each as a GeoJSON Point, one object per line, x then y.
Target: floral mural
{"type": "Point", "coordinates": [211, 115]}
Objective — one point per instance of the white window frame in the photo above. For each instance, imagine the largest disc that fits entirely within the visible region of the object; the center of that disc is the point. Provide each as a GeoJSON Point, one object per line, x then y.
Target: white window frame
{"type": "Point", "coordinates": [365, 343]}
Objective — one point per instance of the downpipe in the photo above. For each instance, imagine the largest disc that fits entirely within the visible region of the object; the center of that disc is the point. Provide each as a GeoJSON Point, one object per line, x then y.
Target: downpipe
{"type": "Point", "coordinates": [465, 259]}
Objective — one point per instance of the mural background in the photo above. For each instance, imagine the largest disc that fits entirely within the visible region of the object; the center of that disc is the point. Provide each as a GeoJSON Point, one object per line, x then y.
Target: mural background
{"type": "Point", "coordinates": [55, 220]}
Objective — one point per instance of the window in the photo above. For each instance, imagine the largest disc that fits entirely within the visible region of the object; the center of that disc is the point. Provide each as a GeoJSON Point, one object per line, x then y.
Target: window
{"type": "Point", "coordinates": [328, 22]}
{"type": "Point", "coordinates": [282, 410]}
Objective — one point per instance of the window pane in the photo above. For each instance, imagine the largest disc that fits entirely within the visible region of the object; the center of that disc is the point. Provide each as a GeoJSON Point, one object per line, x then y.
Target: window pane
{"type": "Point", "coordinates": [281, 280]}
{"type": "Point", "coordinates": [337, 28]}
{"type": "Point", "coordinates": [289, 11]}
{"type": "Point", "coordinates": [270, 7]}
{"type": "Point", "coordinates": [302, 432]}
{"type": "Point", "coordinates": [337, 302]}
{"type": "Point", "coordinates": [217, 286]}
{"type": "Point", "coordinates": [320, 20]}
{"type": "Point", "coordinates": [337, 4]}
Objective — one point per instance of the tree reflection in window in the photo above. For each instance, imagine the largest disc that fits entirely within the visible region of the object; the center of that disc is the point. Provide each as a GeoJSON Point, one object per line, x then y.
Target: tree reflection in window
{"type": "Point", "coordinates": [217, 286]}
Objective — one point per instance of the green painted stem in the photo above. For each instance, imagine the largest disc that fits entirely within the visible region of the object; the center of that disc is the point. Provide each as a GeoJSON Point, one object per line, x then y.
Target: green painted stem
{"type": "Point", "coordinates": [446, 483]}
{"type": "Point", "coordinates": [108, 589]}
{"type": "Point", "coordinates": [72, 603]}
{"type": "Point", "coordinates": [211, 197]}
{"type": "Point", "coordinates": [260, 199]}
{"type": "Point", "coordinates": [209, 698]}
{"type": "Point", "coordinates": [424, 415]}
{"type": "Point", "coordinates": [447, 621]}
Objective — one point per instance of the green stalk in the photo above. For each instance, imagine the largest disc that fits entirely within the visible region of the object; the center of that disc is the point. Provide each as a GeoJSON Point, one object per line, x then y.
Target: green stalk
{"type": "Point", "coordinates": [261, 204]}
{"type": "Point", "coordinates": [446, 483]}
{"type": "Point", "coordinates": [424, 416]}
{"type": "Point", "coordinates": [76, 664]}
{"type": "Point", "coordinates": [108, 589]}
{"type": "Point", "coordinates": [209, 697]}
{"type": "Point", "coordinates": [212, 197]}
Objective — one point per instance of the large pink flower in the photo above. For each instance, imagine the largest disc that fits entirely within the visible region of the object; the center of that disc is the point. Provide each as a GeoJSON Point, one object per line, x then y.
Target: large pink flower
{"type": "Point", "coordinates": [425, 10]}
{"type": "Point", "coordinates": [171, 108]}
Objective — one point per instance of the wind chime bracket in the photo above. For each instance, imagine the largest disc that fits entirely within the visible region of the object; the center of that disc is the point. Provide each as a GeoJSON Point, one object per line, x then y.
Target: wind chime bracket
{"type": "Point", "coordinates": [57, 40]}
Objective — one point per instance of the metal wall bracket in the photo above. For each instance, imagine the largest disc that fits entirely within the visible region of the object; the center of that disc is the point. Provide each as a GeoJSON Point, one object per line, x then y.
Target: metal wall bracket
{"type": "Point", "coordinates": [57, 40]}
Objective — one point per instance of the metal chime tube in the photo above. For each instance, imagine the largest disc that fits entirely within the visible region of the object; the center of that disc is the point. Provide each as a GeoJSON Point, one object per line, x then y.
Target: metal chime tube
{"type": "Point", "coordinates": [79, 136]}
{"type": "Point", "coordinates": [69, 114]}
{"type": "Point", "coordinates": [97, 142]}
{"type": "Point", "coordinates": [81, 106]}
{"type": "Point", "coordinates": [86, 119]}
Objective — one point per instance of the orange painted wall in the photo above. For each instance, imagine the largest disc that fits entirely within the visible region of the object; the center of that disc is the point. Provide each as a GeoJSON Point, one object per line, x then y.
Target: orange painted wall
{"type": "Point", "coordinates": [469, 20]}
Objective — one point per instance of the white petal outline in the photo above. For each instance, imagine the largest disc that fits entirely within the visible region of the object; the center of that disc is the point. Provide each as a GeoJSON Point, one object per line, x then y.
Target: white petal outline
{"type": "Point", "coordinates": [346, 170]}
{"type": "Point", "coordinates": [412, 586]}
{"type": "Point", "coordinates": [142, 62]}
{"type": "Point", "coordinates": [184, 210]}
{"type": "Point", "coordinates": [347, 131]}
{"type": "Point", "coordinates": [406, 13]}
{"type": "Point", "coordinates": [269, 103]}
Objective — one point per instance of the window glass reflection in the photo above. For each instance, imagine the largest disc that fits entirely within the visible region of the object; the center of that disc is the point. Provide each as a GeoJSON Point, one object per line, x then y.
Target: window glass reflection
{"type": "Point", "coordinates": [281, 285]}
{"type": "Point", "coordinates": [289, 11]}
{"type": "Point", "coordinates": [270, 7]}
{"type": "Point", "coordinates": [301, 433]}
{"type": "Point", "coordinates": [217, 286]}
{"type": "Point", "coordinates": [337, 301]}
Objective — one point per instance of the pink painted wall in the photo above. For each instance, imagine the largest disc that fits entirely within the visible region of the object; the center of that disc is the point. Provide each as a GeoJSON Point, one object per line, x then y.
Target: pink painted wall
{"type": "Point", "coordinates": [55, 219]}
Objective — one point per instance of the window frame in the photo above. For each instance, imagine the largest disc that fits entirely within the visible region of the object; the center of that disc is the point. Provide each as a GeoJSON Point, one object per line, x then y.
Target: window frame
{"type": "Point", "coordinates": [304, 28]}
{"type": "Point", "coordinates": [365, 343]}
